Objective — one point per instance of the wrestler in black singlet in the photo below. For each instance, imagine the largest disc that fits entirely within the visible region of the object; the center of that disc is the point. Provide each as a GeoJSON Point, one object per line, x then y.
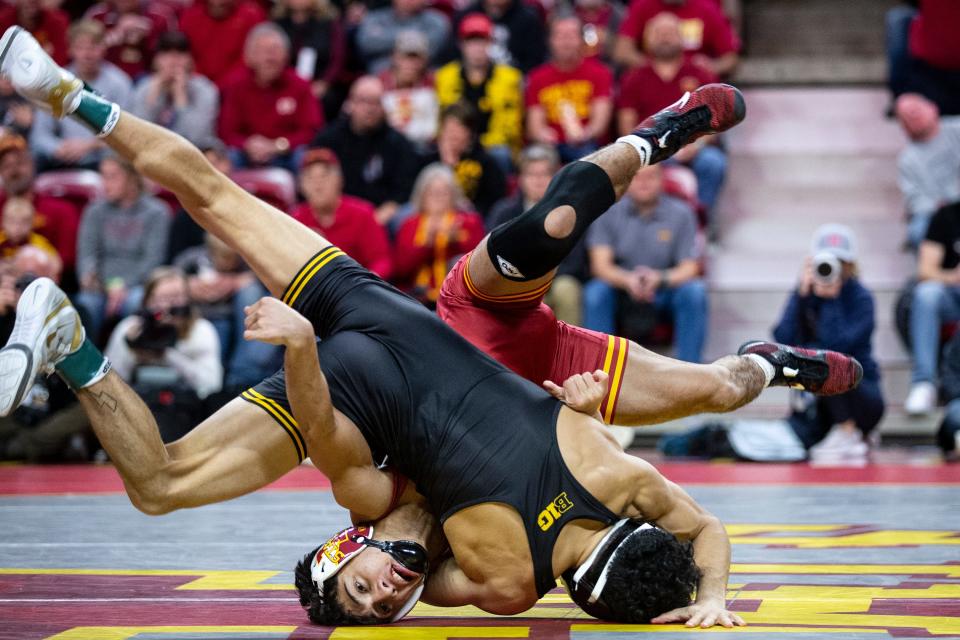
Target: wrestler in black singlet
{"type": "Point", "coordinates": [461, 426]}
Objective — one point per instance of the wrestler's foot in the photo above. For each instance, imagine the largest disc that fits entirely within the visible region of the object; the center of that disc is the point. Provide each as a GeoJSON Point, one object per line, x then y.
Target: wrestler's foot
{"type": "Point", "coordinates": [47, 329]}
{"type": "Point", "coordinates": [710, 109]}
{"type": "Point", "coordinates": [36, 76]}
{"type": "Point", "coordinates": [818, 371]}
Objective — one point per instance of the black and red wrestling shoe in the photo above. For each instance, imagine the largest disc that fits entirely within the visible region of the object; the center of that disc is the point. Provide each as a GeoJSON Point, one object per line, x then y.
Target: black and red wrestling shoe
{"type": "Point", "coordinates": [710, 109]}
{"type": "Point", "coordinates": [825, 373]}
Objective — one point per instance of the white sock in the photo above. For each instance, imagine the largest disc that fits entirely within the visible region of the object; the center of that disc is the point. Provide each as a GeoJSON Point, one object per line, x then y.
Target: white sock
{"type": "Point", "coordinates": [768, 370]}
{"type": "Point", "coordinates": [641, 146]}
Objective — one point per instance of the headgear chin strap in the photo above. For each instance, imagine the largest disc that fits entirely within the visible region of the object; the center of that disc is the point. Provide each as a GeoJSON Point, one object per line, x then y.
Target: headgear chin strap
{"type": "Point", "coordinates": [585, 585]}
{"type": "Point", "coordinates": [345, 545]}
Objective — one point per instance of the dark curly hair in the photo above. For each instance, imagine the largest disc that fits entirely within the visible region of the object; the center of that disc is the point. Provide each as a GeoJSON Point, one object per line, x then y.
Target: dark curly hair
{"type": "Point", "coordinates": [652, 573]}
{"type": "Point", "coordinates": [323, 608]}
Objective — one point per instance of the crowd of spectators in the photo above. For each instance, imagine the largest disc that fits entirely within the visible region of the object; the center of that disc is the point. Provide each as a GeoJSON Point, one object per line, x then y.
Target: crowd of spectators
{"type": "Point", "coordinates": [402, 130]}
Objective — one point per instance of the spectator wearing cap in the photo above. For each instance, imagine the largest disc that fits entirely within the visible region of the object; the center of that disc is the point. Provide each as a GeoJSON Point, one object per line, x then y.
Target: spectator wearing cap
{"type": "Point", "coordinates": [518, 37]}
{"type": "Point", "coordinates": [68, 143]}
{"type": "Point", "coordinates": [318, 46]}
{"type": "Point", "coordinates": [378, 163]}
{"type": "Point", "coordinates": [54, 219]}
{"type": "Point", "coordinates": [47, 24]}
{"type": "Point", "coordinates": [268, 113]}
{"type": "Point", "coordinates": [936, 300]}
{"type": "Point", "coordinates": [346, 221]}
{"type": "Point", "coordinates": [431, 241]}
{"type": "Point", "coordinates": [667, 75]}
{"type": "Point", "coordinates": [569, 100]}
{"type": "Point", "coordinates": [217, 31]}
{"type": "Point", "coordinates": [707, 35]}
{"type": "Point", "coordinates": [409, 99]}
{"type": "Point", "coordinates": [831, 309]}
{"type": "Point", "coordinates": [184, 231]}
{"type": "Point", "coordinates": [378, 31]}
{"type": "Point", "coordinates": [175, 97]}
{"type": "Point", "coordinates": [493, 89]}
{"type": "Point", "coordinates": [480, 178]}
{"type": "Point", "coordinates": [133, 29]}
{"type": "Point", "coordinates": [929, 166]}
{"type": "Point", "coordinates": [538, 164]}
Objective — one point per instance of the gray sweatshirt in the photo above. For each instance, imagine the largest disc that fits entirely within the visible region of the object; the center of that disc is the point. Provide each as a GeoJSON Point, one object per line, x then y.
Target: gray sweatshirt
{"type": "Point", "coordinates": [379, 29]}
{"type": "Point", "coordinates": [930, 171]}
{"type": "Point", "coordinates": [195, 122]}
{"type": "Point", "coordinates": [123, 243]}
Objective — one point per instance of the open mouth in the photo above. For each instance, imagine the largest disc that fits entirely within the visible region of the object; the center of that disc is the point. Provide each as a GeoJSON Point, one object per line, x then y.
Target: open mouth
{"type": "Point", "coordinates": [402, 575]}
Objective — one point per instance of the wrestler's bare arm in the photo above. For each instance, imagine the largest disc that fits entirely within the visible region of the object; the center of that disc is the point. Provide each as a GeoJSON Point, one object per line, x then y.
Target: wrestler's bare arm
{"type": "Point", "coordinates": [672, 508]}
{"type": "Point", "coordinates": [335, 445]}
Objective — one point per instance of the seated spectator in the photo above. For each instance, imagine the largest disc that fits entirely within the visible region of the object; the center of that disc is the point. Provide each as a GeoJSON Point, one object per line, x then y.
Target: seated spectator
{"type": "Point", "coordinates": [378, 163]}
{"type": "Point", "coordinates": [929, 166]}
{"type": "Point", "coordinates": [133, 29]}
{"type": "Point", "coordinates": [924, 53]}
{"type": "Point", "coordinates": [480, 179]}
{"type": "Point", "coordinates": [16, 229]}
{"type": "Point", "coordinates": [379, 28]}
{"type": "Point", "coordinates": [518, 36]}
{"type": "Point", "coordinates": [16, 114]}
{"type": "Point", "coordinates": [318, 47]}
{"type": "Point", "coordinates": [54, 219]}
{"type": "Point", "coordinates": [122, 239]}
{"type": "Point", "coordinates": [217, 31]}
{"type": "Point", "coordinates": [220, 286]}
{"type": "Point", "coordinates": [948, 435]}
{"type": "Point", "coordinates": [431, 241]}
{"type": "Point", "coordinates": [47, 24]}
{"type": "Point", "coordinates": [409, 99]}
{"type": "Point", "coordinates": [346, 221]}
{"type": "Point", "coordinates": [644, 261]}
{"type": "Point", "coordinates": [67, 143]}
{"type": "Point", "coordinates": [493, 89]}
{"type": "Point", "coordinates": [268, 113]}
{"type": "Point", "coordinates": [600, 22]}
{"type": "Point", "coordinates": [569, 99]}
{"type": "Point", "coordinates": [50, 424]}
{"type": "Point", "coordinates": [184, 232]}
{"type": "Point", "coordinates": [538, 164]}
{"type": "Point", "coordinates": [168, 354]}
{"type": "Point", "coordinates": [667, 75]}
{"type": "Point", "coordinates": [831, 309]}
{"type": "Point", "coordinates": [175, 97]}
{"type": "Point", "coordinates": [707, 35]}
{"type": "Point", "coordinates": [936, 299]}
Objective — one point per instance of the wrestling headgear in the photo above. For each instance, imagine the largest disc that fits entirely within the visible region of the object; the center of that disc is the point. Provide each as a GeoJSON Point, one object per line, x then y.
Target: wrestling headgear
{"type": "Point", "coordinates": [585, 584]}
{"type": "Point", "coordinates": [345, 545]}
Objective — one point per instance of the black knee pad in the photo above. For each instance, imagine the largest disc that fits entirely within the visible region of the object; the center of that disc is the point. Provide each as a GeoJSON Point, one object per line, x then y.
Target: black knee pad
{"type": "Point", "coordinates": [522, 250]}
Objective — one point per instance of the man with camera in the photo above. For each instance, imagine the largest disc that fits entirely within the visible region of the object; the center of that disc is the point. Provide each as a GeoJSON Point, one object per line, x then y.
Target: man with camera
{"type": "Point", "coordinates": [831, 309]}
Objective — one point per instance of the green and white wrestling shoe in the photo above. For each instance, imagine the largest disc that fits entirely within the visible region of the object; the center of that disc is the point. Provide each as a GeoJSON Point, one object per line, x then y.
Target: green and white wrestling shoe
{"type": "Point", "coordinates": [47, 330]}
{"type": "Point", "coordinates": [36, 76]}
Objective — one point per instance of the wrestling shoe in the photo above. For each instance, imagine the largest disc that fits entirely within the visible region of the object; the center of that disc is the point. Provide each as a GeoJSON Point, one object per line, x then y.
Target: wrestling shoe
{"type": "Point", "coordinates": [824, 373]}
{"type": "Point", "coordinates": [36, 76]}
{"type": "Point", "coordinates": [710, 109]}
{"type": "Point", "coordinates": [47, 329]}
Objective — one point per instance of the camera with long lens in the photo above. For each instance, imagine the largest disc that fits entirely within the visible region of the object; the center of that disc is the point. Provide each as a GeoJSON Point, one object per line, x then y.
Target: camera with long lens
{"type": "Point", "coordinates": [156, 333]}
{"type": "Point", "coordinates": [826, 269]}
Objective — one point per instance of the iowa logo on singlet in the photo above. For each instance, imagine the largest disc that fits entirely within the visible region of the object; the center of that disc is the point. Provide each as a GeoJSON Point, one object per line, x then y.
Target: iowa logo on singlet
{"type": "Point", "coordinates": [560, 505]}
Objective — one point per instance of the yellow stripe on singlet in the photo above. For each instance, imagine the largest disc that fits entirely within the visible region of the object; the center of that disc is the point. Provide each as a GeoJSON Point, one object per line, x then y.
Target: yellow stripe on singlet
{"type": "Point", "coordinates": [616, 379]}
{"type": "Point", "coordinates": [308, 272]}
{"type": "Point", "coordinates": [281, 416]}
{"type": "Point", "coordinates": [513, 297]}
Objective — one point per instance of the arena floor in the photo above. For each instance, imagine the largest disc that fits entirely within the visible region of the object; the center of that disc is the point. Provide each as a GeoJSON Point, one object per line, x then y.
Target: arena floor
{"type": "Point", "coordinates": [818, 553]}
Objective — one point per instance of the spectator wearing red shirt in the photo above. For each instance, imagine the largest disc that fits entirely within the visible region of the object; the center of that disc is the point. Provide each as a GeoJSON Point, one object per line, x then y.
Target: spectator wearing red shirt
{"type": "Point", "coordinates": [217, 30]}
{"type": "Point", "coordinates": [268, 113]}
{"type": "Point", "coordinates": [924, 52]}
{"type": "Point", "coordinates": [569, 99]}
{"type": "Point", "coordinates": [56, 220]}
{"type": "Point", "coordinates": [707, 34]}
{"type": "Point", "coordinates": [431, 241]}
{"type": "Point", "coordinates": [132, 32]}
{"type": "Point", "coordinates": [667, 76]}
{"type": "Point", "coordinates": [345, 221]}
{"type": "Point", "coordinates": [48, 26]}
{"type": "Point", "coordinates": [600, 19]}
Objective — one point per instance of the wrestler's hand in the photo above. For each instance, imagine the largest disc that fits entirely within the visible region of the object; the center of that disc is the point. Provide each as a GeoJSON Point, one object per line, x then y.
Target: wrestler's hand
{"type": "Point", "coordinates": [583, 392]}
{"type": "Point", "coordinates": [702, 614]}
{"type": "Point", "coordinates": [269, 320]}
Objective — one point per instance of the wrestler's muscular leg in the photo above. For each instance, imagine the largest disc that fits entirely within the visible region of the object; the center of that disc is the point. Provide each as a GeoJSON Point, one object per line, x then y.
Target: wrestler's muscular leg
{"type": "Point", "coordinates": [237, 450]}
